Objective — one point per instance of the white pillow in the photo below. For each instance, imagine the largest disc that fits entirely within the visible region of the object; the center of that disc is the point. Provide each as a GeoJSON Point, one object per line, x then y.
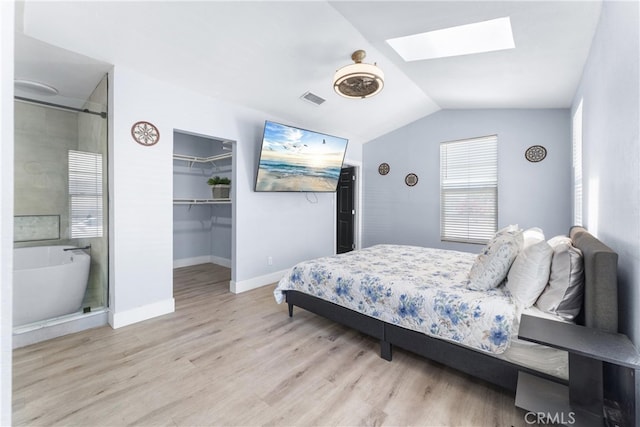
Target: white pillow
{"type": "Point", "coordinates": [532, 236]}
{"type": "Point", "coordinates": [492, 265]}
{"type": "Point", "coordinates": [529, 273]}
{"type": "Point", "coordinates": [509, 229]}
{"type": "Point", "coordinates": [559, 240]}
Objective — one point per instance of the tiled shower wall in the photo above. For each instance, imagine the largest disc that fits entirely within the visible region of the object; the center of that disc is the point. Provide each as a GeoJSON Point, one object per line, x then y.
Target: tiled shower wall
{"type": "Point", "coordinates": [43, 136]}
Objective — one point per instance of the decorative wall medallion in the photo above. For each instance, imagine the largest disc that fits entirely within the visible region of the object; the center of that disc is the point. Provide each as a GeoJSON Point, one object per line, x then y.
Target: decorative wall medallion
{"type": "Point", "coordinates": [145, 133]}
{"type": "Point", "coordinates": [411, 179]}
{"type": "Point", "coordinates": [384, 168]}
{"type": "Point", "coordinates": [535, 153]}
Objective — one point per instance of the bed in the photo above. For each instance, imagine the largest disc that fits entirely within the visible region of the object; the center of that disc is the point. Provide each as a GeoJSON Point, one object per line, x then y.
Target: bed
{"type": "Point", "coordinates": [449, 323]}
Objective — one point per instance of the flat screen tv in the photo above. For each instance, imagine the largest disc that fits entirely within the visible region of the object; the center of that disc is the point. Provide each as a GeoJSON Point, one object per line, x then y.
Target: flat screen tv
{"type": "Point", "coordinates": [294, 159]}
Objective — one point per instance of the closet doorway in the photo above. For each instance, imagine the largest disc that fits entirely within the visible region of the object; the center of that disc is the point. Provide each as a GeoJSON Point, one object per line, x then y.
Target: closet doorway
{"type": "Point", "coordinates": [202, 212]}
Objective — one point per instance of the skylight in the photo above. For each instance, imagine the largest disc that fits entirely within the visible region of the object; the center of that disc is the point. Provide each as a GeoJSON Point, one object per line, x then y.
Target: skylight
{"type": "Point", "coordinates": [486, 36]}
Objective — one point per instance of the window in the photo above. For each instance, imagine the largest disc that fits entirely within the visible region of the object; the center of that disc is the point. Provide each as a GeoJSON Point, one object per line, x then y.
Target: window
{"type": "Point", "coordinates": [577, 165]}
{"type": "Point", "coordinates": [85, 194]}
{"type": "Point", "coordinates": [469, 189]}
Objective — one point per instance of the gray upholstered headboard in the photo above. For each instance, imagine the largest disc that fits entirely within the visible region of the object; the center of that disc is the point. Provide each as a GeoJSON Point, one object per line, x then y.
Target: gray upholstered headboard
{"type": "Point", "coordinates": [600, 308]}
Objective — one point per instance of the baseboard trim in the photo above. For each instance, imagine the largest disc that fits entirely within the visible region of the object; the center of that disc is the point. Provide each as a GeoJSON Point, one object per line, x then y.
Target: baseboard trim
{"type": "Point", "coordinates": [256, 282]}
{"type": "Point", "coordinates": [225, 262]}
{"type": "Point", "coordinates": [205, 259]}
{"type": "Point", "coordinates": [187, 262]}
{"type": "Point", "coordinates": [138, 314]}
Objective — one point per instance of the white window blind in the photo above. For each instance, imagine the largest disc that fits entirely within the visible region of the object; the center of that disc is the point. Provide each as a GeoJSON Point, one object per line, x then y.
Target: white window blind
{"type": "Point", "coordinates": [469, 189]}
{"type": "Point", "coordinates": [85, 194]}
{"type": "Point", "coordinates": [577, 165]}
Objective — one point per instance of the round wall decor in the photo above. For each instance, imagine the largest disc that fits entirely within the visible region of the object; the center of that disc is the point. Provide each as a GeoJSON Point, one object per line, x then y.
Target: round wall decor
{"type": "Point", "coordinates": [535, 153]}
{"type": "Point", "coordinates": [384, 168]}
{"type": "Point", "coordinates": [145, 133]}
{"type": "Point", "coordinates": [411, 179]}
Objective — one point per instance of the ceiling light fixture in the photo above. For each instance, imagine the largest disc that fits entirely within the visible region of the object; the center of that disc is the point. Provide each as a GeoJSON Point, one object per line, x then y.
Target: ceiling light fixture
{"type": "Point", "coordinates": [358, 80]}
{"type": "Point", "coordinates": [34, 87]}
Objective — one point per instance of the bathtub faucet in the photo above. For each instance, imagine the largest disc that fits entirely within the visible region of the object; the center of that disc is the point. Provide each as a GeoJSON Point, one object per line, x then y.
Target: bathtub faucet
{"type": "Point", "coordinates": [73, 249]}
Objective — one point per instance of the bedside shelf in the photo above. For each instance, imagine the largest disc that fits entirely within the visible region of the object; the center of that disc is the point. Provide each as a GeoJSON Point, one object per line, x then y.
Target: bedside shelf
{"type": "Point", "coordinates": [580, 340]}
{"type": "Point", "coordinates": [581, 403]}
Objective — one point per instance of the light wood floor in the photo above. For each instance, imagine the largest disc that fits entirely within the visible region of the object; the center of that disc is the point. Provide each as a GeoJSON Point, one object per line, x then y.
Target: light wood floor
{"type": "Point", "coordinates": [223, 359]}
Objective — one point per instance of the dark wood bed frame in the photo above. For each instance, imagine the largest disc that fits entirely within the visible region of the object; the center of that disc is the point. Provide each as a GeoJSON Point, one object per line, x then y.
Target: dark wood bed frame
{"type": "Point", "coordinates": [600, 311]}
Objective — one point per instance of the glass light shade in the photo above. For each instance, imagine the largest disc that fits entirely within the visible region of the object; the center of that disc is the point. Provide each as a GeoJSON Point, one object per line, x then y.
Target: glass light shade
{"type": "Point", "coordinates": [358, 80]}
{"type": "Point", "coordinates": [34, 87]}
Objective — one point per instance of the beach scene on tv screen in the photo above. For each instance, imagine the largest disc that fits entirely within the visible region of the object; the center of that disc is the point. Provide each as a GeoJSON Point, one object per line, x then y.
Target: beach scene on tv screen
{"type": "Point", "coordinates": [299, 160]}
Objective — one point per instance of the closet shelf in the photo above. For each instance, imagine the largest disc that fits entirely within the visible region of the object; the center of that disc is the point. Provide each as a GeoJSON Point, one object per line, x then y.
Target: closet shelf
{"type": "Point", "coordinates": [201, 201]}
{"type": "Point", "coordinates": [194, 159]}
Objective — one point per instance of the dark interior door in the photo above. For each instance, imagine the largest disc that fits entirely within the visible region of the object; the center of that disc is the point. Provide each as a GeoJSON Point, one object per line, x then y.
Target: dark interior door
{"type": "Point", "coordinates": [346, 210]}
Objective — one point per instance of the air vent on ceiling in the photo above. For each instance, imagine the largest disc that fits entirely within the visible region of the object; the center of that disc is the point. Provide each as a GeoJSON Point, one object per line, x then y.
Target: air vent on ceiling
{"type": "Point", "coordinates": [313, 98]}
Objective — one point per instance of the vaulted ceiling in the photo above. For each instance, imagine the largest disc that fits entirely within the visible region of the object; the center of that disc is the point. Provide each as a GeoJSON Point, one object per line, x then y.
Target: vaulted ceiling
{"type": "Point", "coordinates": [266, 54]}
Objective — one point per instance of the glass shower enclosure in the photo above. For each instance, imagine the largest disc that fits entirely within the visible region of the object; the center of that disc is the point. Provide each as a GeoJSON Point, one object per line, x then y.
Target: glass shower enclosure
{"type": "Point", "coordinates": [60, 203]}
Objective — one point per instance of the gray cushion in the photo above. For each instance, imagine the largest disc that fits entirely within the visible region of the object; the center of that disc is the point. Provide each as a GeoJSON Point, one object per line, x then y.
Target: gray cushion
{"type": "Point", "coordinates": [563, 294]}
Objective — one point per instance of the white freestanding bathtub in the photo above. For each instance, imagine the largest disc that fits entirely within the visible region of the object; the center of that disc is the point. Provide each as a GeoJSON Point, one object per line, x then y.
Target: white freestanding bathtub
{"type": "Point", "coordinates": [48, 282]}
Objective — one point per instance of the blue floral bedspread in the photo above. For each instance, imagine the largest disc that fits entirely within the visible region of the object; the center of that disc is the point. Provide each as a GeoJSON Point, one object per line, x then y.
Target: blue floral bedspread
{"type": "Point", "coordinates": [422, 289]}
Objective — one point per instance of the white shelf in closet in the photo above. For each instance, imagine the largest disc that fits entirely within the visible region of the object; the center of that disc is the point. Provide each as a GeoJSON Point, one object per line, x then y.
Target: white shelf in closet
{"type": "Point", "coordinates": [194, 159]}
{"type": "Point", "coordinates": [201, 201]}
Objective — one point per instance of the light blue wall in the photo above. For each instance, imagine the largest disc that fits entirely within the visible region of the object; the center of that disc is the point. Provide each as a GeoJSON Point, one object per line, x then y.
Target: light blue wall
{"type": "Point", "coordinates": [529, 194]}
{"type": "Point", "coordinates": [611, 148]}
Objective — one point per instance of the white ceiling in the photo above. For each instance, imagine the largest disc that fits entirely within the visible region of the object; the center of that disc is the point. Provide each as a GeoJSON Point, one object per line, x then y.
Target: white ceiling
{"type": "Point", "coordinates": [266, 54]}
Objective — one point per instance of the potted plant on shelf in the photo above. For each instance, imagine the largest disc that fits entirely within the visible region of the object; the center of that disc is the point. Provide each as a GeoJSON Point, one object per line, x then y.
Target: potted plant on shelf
{"type": "Point", "coordinates": [220, 187]}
